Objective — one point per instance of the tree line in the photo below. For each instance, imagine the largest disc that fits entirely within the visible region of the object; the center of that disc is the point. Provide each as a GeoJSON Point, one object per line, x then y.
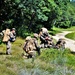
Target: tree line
{"type": "Point", "coordinates": [30, 15]}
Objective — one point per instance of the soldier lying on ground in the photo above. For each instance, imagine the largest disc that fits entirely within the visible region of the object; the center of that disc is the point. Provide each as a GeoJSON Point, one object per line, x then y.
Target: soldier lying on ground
{"type": "Point", "coordinates": [60, 44]}
{"type": "Point", "coordinates": [31, 46]}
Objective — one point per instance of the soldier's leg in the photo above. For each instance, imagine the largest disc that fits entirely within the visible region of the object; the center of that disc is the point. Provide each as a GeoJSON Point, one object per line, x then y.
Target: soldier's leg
{"type": "Point", "coordinates": [31, 54]}
{"type": "Point", "coordinates": [8, 45]}
{"type": "Point", "coordinates": [41, 45]}
{"type": "Point", "coordinates": [38, 50]}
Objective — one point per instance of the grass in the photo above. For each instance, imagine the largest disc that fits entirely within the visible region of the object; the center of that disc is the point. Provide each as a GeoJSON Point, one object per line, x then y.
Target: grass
{"type": "Point", "coordinates": [55, 30]}
{"type": "Point", "coordinates": [50, 62]}
{"type": "Point", "coordinates": [59, 61]}
{"type": "Point", "coordinates": [71, 36]}
{"type": "Point", "coordinates": [10, 64]}
{"type": "Point", "coordinates": [71, 28]}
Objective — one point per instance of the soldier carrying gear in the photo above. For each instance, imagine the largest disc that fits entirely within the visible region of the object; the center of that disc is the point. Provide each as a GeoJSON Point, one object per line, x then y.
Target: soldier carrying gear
{"type": "Point", "coordinates": [31, 46]}
{"type": "Point", "coordinates": [8, 37]}
{"type": "Point", "coordinates": [46, 40]}
{"type": "Point", "coordinates": [43, 37]}
{"type": "Point", "coordinates": [27, 42]}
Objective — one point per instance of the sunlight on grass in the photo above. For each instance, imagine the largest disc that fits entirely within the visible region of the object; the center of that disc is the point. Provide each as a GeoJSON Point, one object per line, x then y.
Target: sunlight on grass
{"type": "Point", "coordinates": [71, 28]}
{"type": "Point", "coordinates": [50, 62]}
{"type": "Point", "coordinates": [55, 30]}
{"type": "Point", "coordinates": [71, 36]}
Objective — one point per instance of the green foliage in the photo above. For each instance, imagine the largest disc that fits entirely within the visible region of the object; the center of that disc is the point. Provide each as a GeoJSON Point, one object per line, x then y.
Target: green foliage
{"type": "Point", "coordinates": [71, 28]}
{"type": "Point", "coordinates": [50, 62]}
{"type": "Point", "coordinates": [49, 55]}
{"type": "Point", "coordinates": [59, 60]}
{"type": "Point", "coordinates": [58, 57]}
{"type": "Point", "coordinates": [0, 41]}
{"type": "Point", "coordinates": [33, 14]}
{"type": "Point", "coordinates": [55, 30]}
{"type": "Point", "coordinates": [22, 31]}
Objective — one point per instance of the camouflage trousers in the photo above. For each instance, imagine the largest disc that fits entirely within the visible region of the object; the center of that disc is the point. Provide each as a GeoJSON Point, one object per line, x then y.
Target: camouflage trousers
{"type": "Point", "coordinates": [8, 47]}
{"type": "Point", "coordinates": [45, 46]}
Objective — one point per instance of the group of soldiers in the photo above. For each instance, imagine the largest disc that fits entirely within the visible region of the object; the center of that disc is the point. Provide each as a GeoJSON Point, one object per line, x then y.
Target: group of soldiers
{"type": "Point", "coordinates": [31, 45]}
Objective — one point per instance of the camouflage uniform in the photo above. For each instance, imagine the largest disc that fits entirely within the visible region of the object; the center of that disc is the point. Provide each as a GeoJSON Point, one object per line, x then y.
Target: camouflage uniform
{"type": "Point", "coordinates": [31, 46]}
{"type": "Point", "coordinates": [8, 46]}
{"type": "Point", "coordinates": [43, 30]}
{"type": "Point", "coordinates": [12, 39]}
{"type": "Point", "coordinates": [36, 43]}
{"type": "Point", "coordinates": [45, 40]}
{"type": "Point", "coordinates": [60, 44]}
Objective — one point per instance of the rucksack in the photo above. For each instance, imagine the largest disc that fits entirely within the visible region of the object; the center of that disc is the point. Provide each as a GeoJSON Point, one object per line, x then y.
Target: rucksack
{"type": "Point", "coordinates": [6, 35]}
{"type": "Point", "coordinates": [29, 46]}
{"type": "Point", "coordinates": [12, 39]}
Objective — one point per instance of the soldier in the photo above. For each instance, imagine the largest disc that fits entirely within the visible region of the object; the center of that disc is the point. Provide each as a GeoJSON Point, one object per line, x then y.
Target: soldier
{"type": "Point", "coordinates": [60, 44]}
{"type": "Point", "coordinates": [8, 35]}
{"type": "Point", "coordinates": [12, 38]}
{"type": "Point", "coordinates": [46, 40]}
{"type": "Point", "coordinates": [31, 46]}
{"type": "Point", "coordinates": [43, 33]}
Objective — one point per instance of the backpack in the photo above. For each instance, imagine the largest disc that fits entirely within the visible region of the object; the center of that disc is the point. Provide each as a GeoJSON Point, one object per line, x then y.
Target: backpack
{"type": "Point", "coordinates": [6, 35]}
{"type": "Point", "coordinates": [12, 39]}
{"type": "Point", "coordinates": [29, 46]}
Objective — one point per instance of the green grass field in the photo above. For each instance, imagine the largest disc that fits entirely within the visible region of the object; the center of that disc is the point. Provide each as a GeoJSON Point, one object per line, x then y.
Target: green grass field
{"type": "Point", "coordinates": [50, 62]}
{"type": "Point", "coordinates": [71, 36]}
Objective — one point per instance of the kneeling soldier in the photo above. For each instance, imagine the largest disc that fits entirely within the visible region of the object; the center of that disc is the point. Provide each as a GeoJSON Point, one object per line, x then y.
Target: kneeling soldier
{"type": "Point", "coordinates": [31, 45]}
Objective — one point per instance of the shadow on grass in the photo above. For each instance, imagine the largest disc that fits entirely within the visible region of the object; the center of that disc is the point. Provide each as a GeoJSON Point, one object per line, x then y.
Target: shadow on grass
{"type": "Point", "coordinates": [73, 53]}
{"type": "Point", "coordinates": [2, 53]}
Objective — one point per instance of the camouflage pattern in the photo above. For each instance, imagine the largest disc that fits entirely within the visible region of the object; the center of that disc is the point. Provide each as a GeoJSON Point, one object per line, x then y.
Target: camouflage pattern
{"type": "Point", "coordinates": [8, 43]}
{"type": "Point", "coordinates": [8, 46]}
{"type": "Point", "coordinates": [31, 46]}
{"type": "Point", "coordinates": [43, 30]}
{"type": "Point", "coordinates": [46, 41]}
{"type": "Point", "coordinates": [60, 44]}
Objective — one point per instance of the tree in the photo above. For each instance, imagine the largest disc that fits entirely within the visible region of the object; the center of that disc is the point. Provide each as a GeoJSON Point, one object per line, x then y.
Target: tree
{"type": "Point", "coordinates": [29, 16]}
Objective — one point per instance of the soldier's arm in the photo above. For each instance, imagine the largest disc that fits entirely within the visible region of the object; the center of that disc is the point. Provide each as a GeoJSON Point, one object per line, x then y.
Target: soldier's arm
{"type": "Point", "coordinates": [42, 38]}
{"type": "Point", "coordinates": [11, 35]}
